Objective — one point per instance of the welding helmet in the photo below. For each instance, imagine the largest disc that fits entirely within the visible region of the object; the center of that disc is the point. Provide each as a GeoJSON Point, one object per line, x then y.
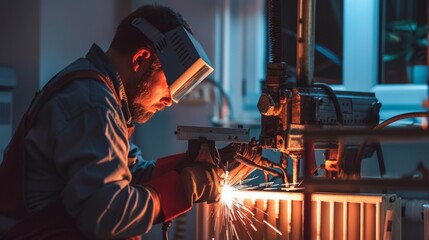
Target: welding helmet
{"type": "Point", "coordinates": [182, 58]}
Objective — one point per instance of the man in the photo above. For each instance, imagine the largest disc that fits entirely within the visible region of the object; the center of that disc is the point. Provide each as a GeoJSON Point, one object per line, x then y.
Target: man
{"type": "Point", "coordinates": [70, 172]}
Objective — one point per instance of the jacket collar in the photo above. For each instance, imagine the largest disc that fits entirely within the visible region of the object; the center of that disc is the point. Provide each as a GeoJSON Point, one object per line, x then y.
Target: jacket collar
{"type": "Point", "coordinates": [99, 58]}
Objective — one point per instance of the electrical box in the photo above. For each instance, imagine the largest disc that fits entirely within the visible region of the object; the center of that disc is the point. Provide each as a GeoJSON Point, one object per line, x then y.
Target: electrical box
{"type": "Point", "coordinates": [7, 84]}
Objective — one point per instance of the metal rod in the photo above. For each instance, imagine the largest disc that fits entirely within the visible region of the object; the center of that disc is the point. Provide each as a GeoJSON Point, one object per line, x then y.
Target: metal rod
{"type": "Point", "coordinates": [295, 161]}
{"type": "Point", "coordinates": [305, 42]}
{"type": "Point", "coordinates": [411, 134]}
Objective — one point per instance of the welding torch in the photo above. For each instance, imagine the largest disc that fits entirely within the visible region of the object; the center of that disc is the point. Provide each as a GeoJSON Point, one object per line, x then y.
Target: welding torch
{"type": "Point", "coordinates": [242, 158]}
{"type": "Point", "coordinates": [266, 166]}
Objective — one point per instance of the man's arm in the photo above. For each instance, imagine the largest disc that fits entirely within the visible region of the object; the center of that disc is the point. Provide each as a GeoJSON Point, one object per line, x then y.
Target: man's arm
{"type": "Point", "coordinates": [140, 168]}
{"type": "Point", "coordinates": [92, 154]}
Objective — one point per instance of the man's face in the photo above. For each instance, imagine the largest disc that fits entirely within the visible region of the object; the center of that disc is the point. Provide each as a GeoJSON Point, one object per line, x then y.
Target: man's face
{"type": "Point", "coordinates": [152, 94]}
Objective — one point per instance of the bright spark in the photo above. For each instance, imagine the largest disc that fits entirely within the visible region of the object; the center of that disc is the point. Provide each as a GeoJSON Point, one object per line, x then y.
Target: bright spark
{"type": "Point", "coordinates": [232, 212]}
{"type": "Point", "coordinates": [227, 195]}
{"type": "Point", "coordinates": [272, 227]}
{"type": "Point", "coordinates": [254, 228]}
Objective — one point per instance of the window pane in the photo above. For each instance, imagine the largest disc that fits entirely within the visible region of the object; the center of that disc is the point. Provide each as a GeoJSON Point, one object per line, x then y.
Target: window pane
{"type": "Point", "coordinates": [328, 39]}
{"type": "Point", "coordinates": [403, 42]}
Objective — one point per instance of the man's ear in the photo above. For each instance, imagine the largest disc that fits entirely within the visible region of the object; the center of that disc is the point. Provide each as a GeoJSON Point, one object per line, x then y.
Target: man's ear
{"type": "Point", "coordinates": [140, 59]}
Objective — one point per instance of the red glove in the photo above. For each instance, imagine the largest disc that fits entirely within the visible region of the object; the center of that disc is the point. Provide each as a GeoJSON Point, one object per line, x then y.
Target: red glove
{"type": "Point", "coordinates": [169, 163]}
{"type": "Point", "coordinates": [177, 192]}
{"type": "Point", "coordinates": [171, 194]}
{"type": "Point", "coordinates": [197, 182]}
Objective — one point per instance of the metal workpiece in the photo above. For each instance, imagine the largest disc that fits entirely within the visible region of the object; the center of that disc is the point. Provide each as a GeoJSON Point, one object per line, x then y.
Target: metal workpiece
{"type": "Point", "coordinates": [212, 134]}
{"type": "Point", "coordinates": [305, 42]}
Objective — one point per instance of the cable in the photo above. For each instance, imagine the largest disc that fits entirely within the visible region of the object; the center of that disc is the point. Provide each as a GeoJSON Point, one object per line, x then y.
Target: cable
{"type": "Point", "coordinates": [386, 123]}
{"type": "Point", "coordinates": [400, 117]}
{"type": "Point", "coordinates": [335, 101]}
{"type": "Point", "coordinates": [380, 157]}
{"type": "Point", "coordinates": [165, 227]}
{"type": "Point", "coordinates": [340, 118]}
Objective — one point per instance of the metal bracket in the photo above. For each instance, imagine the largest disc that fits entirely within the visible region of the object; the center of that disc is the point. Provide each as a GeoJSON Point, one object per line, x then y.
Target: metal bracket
{"type": "Point", "coordinates": [212, 134]}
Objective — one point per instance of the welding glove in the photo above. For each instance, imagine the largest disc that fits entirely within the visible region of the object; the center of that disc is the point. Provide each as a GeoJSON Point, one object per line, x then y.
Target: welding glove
{"type": "Point", "coordinates": [201, 183]}
{"type": "Point", "coordinates": [202, 180]}
{"type": "Point", "coordinates": [237, 170]}
{"type": "Point", "coordinates": [179, 183]}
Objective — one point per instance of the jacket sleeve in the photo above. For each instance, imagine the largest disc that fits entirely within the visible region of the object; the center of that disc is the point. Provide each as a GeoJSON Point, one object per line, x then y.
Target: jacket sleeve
{"type": "Point", "coordinates": [140, 168]}
{"type": "Point", "coordinates": [91, 153]}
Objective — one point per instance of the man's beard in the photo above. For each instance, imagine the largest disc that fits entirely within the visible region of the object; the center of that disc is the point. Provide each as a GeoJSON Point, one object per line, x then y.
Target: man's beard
{"type": "Point", "coordinates": [139, 113]}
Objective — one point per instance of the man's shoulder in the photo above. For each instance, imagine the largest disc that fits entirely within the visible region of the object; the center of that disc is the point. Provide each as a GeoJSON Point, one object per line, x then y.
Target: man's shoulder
{"type": "Point", "coordinates": [77, 100]}
{"type": "Point", "coordinates": [80, 95]}
{"type": "Point", "coordinates": [83, 93]}
{"type": "Point", "coordinates": [86, 93]}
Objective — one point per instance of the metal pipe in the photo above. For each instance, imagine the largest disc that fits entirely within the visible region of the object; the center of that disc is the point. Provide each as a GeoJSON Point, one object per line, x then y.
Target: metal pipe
{"type": "Point", "coordinates": [305, 43]}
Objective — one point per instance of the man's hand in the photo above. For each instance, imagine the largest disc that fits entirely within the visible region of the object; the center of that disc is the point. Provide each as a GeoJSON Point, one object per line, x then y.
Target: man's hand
{"type": "Point", "coordinates": [201, 182]}
{"type": "Point", "coordinates": [178, 188]}
{"type": "Point", "coordinates": [237, 170]}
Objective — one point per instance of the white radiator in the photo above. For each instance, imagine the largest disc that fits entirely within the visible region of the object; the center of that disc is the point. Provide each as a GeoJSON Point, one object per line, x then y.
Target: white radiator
{"type": "Point", "coordinates": [279, 216]}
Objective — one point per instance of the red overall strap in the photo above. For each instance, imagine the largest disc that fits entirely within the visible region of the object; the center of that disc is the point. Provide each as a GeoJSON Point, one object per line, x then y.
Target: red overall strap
{"type": "Point", "coordinates": [12, 172]}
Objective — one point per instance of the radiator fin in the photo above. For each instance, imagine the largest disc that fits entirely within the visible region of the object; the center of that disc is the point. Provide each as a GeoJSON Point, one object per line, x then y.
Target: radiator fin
{"type": "Point", "coordinates": [334, 217]}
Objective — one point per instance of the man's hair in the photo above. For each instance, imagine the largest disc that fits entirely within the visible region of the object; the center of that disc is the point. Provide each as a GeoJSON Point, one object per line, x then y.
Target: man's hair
{"type": "Point", "coordinates": [128, 38]}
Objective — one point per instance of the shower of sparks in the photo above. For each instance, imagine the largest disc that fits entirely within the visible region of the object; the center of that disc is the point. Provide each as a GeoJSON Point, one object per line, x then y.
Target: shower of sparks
{"type": "Point", "coordinates": [272, 227]}
{"type": "Point", "coordinates": [232, 213]}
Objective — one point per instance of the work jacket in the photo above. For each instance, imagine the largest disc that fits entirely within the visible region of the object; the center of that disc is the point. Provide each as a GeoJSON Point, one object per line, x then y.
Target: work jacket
{"type": "Point", "coordinates": [77, 155]}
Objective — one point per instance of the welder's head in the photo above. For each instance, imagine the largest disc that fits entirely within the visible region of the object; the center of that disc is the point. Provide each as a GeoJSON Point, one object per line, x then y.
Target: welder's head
{"type": "Point", "coordinates": [164, 59]}
{"type": "Point", "coordinates": [128, 38]}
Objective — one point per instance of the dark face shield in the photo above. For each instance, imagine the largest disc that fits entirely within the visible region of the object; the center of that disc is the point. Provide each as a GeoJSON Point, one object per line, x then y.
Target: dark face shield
{"type": "Point", "coordinates": [182, 58]}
